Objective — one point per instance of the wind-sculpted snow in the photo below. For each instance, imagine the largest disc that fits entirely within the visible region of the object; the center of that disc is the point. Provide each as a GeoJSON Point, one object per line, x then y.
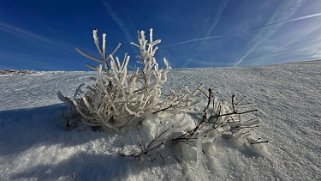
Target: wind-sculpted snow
{"type": "Point", "coordinates": [35, 145]}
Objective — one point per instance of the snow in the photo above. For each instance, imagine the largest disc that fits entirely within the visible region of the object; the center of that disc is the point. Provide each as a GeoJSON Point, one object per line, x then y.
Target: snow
{"type": "Point", "coordinates": [35, 146]}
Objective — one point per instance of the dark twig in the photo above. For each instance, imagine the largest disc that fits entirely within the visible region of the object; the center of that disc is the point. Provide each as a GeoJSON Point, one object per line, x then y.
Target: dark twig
{"type": "Point", "coordinates": [243, 112]}
{"type": "Point", "coordinates": [259, 142]}
{"type": "Point", "coordinates": [233, 103]}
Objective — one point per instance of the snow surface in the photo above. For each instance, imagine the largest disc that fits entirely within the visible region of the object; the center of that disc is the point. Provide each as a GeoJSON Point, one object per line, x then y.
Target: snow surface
{"type": "Point", "coordinates": [35, 146]}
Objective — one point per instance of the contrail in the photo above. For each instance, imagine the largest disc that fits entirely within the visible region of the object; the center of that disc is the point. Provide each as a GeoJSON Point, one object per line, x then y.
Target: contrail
{"type": "Point", "coordinates": [207, 36]}
{"type": "Point", "coordinates": [118, 21]}
{"type": "Point", "coordinates": [217, 16]}
{"type": "Point", "coordinates": [290, 21]}
{"type": "Point", "coordinates": [193, 40]}
{"type": "Point", "coordinates": [209, 31]}
{"type": "Point", "coordinates": [34, 37]}
{"type": "Point", "coordinates": [283, 12]}
{"type": "Point", "coordinates": [19, 32]}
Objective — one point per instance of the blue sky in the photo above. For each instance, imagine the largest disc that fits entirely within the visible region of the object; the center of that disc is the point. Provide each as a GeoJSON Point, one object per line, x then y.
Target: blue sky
{"type": "Point", "coordinates": [43, 34]}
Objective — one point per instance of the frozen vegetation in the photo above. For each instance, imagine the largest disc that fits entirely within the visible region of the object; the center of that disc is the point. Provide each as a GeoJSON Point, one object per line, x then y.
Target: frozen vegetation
{"type": "Point", "coordinates": [34, 143]}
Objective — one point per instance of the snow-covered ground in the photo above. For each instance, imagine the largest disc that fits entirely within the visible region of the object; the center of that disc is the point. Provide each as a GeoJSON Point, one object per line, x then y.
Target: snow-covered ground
{"type": "Point", "coordinates": [35, 146]}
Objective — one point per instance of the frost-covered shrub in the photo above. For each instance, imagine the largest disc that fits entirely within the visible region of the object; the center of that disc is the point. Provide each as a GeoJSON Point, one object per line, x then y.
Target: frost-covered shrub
{"type": "Point", "coordinates": [119, 96]}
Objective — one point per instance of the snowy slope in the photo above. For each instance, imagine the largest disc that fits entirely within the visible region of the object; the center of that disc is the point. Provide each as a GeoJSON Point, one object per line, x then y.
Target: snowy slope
{"type": "Point", "coordinates": [34, 144]}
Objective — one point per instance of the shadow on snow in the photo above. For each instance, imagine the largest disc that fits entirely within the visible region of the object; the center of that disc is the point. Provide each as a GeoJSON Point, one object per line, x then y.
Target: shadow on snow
{"type": "Point", "coordinates": [24, 129]}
